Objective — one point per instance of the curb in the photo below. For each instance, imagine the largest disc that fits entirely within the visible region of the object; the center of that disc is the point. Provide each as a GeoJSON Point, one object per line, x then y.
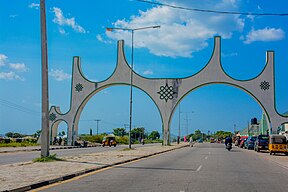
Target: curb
{"type": "Point", "coordinates": [52, 148]}
{"type": "Point", "coordinates": [70, 176]}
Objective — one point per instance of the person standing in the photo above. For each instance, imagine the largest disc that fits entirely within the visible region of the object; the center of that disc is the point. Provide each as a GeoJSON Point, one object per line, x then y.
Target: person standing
{"type": "Point", "coordinates": [191, 141]}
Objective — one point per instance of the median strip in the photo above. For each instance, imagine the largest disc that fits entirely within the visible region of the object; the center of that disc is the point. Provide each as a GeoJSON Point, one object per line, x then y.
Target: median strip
{"type": "Point", "coordinates": [34, 175]}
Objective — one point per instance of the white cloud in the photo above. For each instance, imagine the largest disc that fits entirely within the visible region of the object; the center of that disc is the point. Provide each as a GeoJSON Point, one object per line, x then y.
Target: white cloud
{"type": "Point", "coordinates": [182, 32]}
{"type": "Point", "coordinates": [62, 31]}
{"type": "Point", "coordinates": [233, 54]}
{"type": "Point", "coordinates": [148, 72]}
{"type": "Point", "coordinates": [10, 76]}
{"type": "Point", "coordinates": [3, 59]}
{"type": "Point", "coordinates": [34, 5]}
{"type": "Point", "coordinates": [59, 74]}
{"type": "Point", "coordinates": [18, 67]}
{"type": "Point", "coordinates": [266, 34]}
{"type": "Point", "coordinates": [100, 38]}
{"type": "Point", "coordinates": [62, 21]}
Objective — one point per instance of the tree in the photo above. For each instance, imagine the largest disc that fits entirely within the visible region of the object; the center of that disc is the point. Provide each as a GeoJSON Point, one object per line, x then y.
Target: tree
{"type": "Point", "coordinates": [14, 135]}
{"type": "Point", "coordinates": [222, 134]}
{"type": "Point", "coordinates": [137, 133]}
{"type": "Point", "coordinates": [37, 134]}
{"type": "Point", "coordinates": [119, 132]}
{"type": "Point", "coordinates": [61, 134]}
{"type": "Point", "coordinates": [154, 135]}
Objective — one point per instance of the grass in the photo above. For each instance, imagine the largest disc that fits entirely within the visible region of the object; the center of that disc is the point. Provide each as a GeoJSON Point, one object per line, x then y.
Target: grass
{"type": "Point", "coordinates": [49, 158]}
{"type": "Point", "coordinates": [14, 144]}
{"type": "Point", "coordinates": [127, 149]}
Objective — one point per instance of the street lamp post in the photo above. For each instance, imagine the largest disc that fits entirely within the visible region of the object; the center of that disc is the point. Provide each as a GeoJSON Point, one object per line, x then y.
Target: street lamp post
{"type": "Point", "coordinates": [179, 125]}
{"type": "Point", "coordinates": [132, 66]}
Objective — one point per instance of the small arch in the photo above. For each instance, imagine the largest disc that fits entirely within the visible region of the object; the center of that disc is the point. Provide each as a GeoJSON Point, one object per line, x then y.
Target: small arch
{"type": "Point", "coordinates": [55, 129]}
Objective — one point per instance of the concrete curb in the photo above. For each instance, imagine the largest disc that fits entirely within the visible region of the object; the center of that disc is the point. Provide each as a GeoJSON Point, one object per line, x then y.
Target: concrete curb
{"type": "Point", "coordinates": [52, 148]}
{"type": "Point", "coordinates": [70, 176]}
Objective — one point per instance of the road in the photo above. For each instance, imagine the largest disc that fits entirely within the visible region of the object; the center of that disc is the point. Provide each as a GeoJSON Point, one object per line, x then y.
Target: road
{"type": "Point", "coordinates": [16, 157]}
{"type": "Point", "coordinates": [206, 167]}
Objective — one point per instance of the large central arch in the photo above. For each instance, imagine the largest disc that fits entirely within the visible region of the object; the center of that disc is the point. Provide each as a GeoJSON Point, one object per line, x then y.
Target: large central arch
{"type": "Point", "coordinates": [166, 93]}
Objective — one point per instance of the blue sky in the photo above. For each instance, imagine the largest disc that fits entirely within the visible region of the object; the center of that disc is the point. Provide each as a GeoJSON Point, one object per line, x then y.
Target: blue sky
{"type": "Point", "coordinates": [181, 47]}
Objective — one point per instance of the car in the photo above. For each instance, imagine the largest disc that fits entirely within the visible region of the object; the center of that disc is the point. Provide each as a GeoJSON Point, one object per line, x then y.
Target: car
{"type": "Point", "coordinates": [249, 143]}
{"type": "Point", "coordinates": [200, 141]}
{"type": "Point", "coordinates": [261, 142]}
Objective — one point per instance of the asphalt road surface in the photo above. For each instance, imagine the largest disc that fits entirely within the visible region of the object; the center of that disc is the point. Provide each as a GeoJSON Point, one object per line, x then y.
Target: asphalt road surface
{"type": "Point", "coordinates": [207, 167]}
{"type": "Point", "coordinates": [15, 157]}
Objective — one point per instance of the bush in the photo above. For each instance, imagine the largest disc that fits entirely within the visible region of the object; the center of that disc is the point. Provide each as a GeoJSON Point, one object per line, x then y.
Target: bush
{"type": "Point", "coordinates": [47, 159]}
{"type": "Point", "coordinates": [14, 144]}
{"type": "Point", "coordinates": [92, 138]}
{"type": "Point", "coordinates": [122, 140]}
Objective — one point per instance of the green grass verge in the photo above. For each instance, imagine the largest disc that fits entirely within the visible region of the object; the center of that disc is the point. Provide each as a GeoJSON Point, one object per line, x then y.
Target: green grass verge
{"type": "Point", "coordinates": [50, 158]}
{"type": "Point", "coordinates": [22, 144]}
{"type": "Point", "coordinates": [127, 149]}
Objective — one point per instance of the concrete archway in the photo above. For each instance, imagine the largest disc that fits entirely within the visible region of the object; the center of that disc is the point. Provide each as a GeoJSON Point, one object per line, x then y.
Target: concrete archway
{"type": "Point", "coordinates": [167, 92]}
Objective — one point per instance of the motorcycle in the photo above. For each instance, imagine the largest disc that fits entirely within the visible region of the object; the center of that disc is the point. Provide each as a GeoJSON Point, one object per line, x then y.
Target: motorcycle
{"type": "Point", "coordinates": [229, 146]}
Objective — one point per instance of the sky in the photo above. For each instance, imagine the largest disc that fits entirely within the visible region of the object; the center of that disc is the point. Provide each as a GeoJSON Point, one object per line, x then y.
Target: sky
{"type": "Point", "coordinates": [181, 47]}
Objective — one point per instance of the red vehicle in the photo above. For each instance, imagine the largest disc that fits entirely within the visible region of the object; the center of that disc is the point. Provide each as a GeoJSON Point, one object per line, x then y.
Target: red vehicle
{"type": "Point", "coordinates": [242, 140]}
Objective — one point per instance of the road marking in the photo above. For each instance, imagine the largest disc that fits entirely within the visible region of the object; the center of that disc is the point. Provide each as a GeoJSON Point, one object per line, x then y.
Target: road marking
{"type": "Point", "coordinates": [206, 157]}
{"type": "Point", "coordinates": [198, 169]}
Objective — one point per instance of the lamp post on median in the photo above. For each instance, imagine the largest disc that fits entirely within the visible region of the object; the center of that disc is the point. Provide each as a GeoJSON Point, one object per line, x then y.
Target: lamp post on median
{"type": "Point", "coordinates": [132, 66]}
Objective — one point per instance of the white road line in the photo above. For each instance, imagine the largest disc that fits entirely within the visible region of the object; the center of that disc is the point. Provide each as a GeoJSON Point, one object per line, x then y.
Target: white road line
{"type": "Point", "coordinates": [199, 168]}
{"type": "Point", "coordinates": [206, 157]}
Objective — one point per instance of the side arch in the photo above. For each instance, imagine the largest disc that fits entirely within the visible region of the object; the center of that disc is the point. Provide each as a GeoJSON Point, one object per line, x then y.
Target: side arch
{"type": "Point", "coordinates": [54, 129]}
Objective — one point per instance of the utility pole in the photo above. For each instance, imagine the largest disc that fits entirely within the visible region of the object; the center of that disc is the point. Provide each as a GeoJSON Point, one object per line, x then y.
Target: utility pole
{"type": "Point", "coordinates": [248, 131]}
{"type": "Point", "coordinates": [97, 120]}
{"type": "Point", "coordinates": [179, 123]}
{"type": "Point", "coordinates": [45, 95]}
{"type": "Point", "coordinates": [234, 128]}
{"type": "Point", "coordinates": [187, 123]}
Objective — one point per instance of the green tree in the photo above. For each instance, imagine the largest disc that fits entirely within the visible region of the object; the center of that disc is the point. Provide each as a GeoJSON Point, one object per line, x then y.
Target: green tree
{"type": "Point", "coordinates": [222, 134]}
{"type": "Point", "coordinates": [154, 135]}
{"type": "Point", "coordinates": [37, 134]}
{"type": "Point", "coordinates": [14, 135]}
{"type": "Point", "coordinates": [119, 132]}
{"type": "Point", "coordinates": [137, 132]}
{"type": "Point", "coordinates": [61, 134]}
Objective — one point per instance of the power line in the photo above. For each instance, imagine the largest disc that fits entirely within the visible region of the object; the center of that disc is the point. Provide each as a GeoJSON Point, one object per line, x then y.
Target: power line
{"type": "Point", "coordinates": [17, 107]}
{"type": "Point", "coordinates": [214, 11]}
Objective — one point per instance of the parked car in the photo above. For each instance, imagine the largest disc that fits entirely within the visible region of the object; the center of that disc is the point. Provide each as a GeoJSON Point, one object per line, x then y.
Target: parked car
{"type": "Point", "coordinates": [249, 143]}
{"type": "Point", "coordinates": [200, 141]}
{"type": "Point", "coordinates": [261, 142]}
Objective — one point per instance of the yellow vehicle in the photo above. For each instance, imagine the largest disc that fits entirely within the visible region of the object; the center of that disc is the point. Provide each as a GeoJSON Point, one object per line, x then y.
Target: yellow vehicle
{"type": "Point", "coordinates": [109, 140]}
{"type": "Point", "coordinates": [277, 144]}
